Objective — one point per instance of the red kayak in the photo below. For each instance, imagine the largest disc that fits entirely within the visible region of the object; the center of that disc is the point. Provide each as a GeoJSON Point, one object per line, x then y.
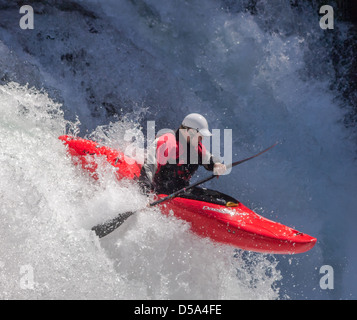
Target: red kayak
{"type": "Point", "coordinates": [210, 213]}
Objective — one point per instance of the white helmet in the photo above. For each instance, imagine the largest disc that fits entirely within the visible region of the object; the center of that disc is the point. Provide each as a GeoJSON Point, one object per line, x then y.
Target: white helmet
{"type": "Point", "coordinates": [198, 122]}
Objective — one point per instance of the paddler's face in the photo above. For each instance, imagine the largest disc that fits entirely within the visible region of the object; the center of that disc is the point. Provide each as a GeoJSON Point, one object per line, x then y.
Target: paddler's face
{"type": "Point", "coordinates": [193, 136]}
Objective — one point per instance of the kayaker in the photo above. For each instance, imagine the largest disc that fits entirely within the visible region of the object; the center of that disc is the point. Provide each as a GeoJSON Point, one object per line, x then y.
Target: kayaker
{"type": "Point", "coordinates": [176, 156]}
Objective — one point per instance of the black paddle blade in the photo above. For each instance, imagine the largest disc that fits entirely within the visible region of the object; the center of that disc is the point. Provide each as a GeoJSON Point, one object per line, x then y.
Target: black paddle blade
{"type": "Point", "coordinates": [103, 229]}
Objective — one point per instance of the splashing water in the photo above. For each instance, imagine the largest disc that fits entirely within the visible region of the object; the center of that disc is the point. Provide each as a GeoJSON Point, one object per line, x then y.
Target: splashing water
{"type": "Point", "coordinates": [48, 207]}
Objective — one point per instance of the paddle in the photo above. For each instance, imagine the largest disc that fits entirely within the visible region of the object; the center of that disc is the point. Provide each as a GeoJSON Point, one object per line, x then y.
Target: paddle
{"type": "Point", "coordinates": [105, 228]}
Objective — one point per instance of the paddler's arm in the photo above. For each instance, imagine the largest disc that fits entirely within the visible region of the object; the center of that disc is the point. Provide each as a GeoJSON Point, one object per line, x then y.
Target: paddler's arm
{"type": "Point", "coordinates": [163, 150]}
{"type": "Point", "coordinates": [214, 164]}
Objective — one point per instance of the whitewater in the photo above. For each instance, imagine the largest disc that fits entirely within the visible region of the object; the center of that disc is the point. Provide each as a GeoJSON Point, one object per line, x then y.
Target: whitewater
{"type": "Point", "coordinates": [101, 69]}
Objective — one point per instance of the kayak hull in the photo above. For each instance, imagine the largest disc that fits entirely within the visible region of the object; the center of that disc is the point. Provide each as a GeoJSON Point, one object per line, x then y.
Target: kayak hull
{"type": "Point", "coordinates": [238, 226]}
{"type": "Point", "coordinates": [229, 222]}
{"type": "Point", "coordinates": [85, 153]}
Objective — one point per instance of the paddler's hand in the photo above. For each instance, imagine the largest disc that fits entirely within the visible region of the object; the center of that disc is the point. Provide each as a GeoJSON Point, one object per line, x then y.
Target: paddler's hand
{"type": "Point", "coordinates": [219, 169]}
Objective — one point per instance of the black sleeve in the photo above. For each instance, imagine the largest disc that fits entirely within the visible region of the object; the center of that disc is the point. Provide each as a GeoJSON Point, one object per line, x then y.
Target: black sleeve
{"type": "Point", "coordinates": [144, 181]}
{"type": "Point", "coordinates": [212, 162]}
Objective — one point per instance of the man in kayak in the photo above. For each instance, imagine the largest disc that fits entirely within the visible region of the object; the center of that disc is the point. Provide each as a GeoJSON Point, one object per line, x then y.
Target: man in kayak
{"type": "Point", "coordinates": [176, 156]}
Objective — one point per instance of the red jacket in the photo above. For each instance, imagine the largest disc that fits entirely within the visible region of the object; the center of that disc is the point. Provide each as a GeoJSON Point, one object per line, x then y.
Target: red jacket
{"type": "Point", "coordinates": [172, 163]}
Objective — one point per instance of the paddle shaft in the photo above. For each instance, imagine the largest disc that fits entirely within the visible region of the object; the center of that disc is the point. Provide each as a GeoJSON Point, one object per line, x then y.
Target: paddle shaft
{"type": "Point", "coordinates": [105, 228]}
